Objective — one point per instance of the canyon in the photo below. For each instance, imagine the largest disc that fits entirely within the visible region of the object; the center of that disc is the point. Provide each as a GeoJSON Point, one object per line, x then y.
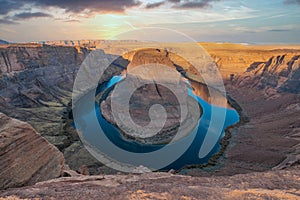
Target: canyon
{"type": "Point", "coordinates": [179, 113]}
{"type": "Point", "coordinates": [36, 82]}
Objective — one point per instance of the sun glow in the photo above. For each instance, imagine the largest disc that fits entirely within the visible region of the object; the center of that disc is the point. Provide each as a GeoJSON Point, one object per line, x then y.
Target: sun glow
{"type": "Point", "coordinates": [110, 25]}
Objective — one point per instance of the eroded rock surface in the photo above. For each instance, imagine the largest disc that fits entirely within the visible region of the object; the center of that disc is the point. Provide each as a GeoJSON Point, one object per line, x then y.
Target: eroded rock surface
{"type": "Point", "coordinates": [270, 137]}
{"type": "Point", "coordinates": [279, 74]}
{"type": "Point", "coordinates": [152, 85]}
{"type": "Point", "coordinates": [267, 185]}
{"type": "Point", "coordinates": [36, 83]}
{"type": "Point", "coordinates": [26, 157]}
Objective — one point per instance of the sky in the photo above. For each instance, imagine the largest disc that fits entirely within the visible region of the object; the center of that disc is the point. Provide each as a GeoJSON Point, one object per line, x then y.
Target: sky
{"type": "Point", "coordinates": [237, 21]}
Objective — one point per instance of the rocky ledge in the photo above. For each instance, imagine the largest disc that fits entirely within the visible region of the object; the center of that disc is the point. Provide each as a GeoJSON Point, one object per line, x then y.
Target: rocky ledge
{"type": "Point", "coordinates": [26, 157]}
{"type": "Point", "coordinates": [278, 184]}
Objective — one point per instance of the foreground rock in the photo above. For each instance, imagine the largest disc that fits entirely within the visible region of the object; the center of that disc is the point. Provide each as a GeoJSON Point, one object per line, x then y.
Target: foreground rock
{"type": "Point", "coordinates": [267, 185]}
{"type": "Point", "coordinates": [26, 157]}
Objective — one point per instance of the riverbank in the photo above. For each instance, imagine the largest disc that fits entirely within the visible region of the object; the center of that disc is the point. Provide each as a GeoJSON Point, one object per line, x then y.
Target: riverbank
{"type": "Point", "coordinates": [269, 140]}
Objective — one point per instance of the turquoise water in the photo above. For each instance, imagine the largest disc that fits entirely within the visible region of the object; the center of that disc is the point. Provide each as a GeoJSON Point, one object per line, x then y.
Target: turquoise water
{"type": "Point", "coordinates": [190, 157]}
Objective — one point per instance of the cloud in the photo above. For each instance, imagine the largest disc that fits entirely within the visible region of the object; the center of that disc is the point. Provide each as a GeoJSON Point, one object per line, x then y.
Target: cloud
{"type": "Point", "coordinates": [292, 1]}
{"type": "Point", "coordinates": [192, 4]}
{"type": "Point", "coordinates": [29, 15]}
{"type": "Point", "coordinates": [88, 7]}
{"type": "Point", "coordinates": [72, 20]}
{"type": "Point", "coordinates": [279, 30]}
{"type": "Point", "coordinates": [7, 5]}
{"type": "Point", "coordinates": [154, 5]}
{"type": "Point", "coordinates": [7, 21]}
{"type": "Point", "coordinates": [96, 6]}
{"type": "Point", "coordinates": [74, 6]}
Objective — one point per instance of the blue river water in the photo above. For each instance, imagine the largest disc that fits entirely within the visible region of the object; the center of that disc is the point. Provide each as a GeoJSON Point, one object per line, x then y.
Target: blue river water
{"type": "Point", "coordinates": [190, 157]}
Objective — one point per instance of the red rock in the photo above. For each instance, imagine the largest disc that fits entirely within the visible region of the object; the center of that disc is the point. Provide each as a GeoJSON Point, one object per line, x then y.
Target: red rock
{"type": "Point", "coordinates": [26, 157]}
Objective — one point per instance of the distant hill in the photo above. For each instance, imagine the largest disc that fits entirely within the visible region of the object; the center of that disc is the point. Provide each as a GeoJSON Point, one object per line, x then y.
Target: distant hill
{"type": "Point", "coordinates": [3, 42]}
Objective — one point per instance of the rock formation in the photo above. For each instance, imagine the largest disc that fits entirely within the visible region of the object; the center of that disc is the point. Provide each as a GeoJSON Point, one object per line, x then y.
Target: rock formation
{"type": "Point", "coordinates": [26, 157]}
{"type": "Point", "coordinates": [36, 83]}
{"type": "Point", "coordinates": [279, 74]}
{"type": "Point", "coordinates": [174, 61]}
{"type": "Point", "coordinates": [277, 184]}
{"type": "Point", "coordinates": [236, 58]}
{"type": "Point", "coordinates": [269, 92]}
{"type": "Point", "coordinates": [19, 57]}
{"type": "Point", "coordinates": [36, 86]}
{"type": "Point", "coordinates": [262, 157]}
{"type": "Point", "coordinates": [159, 85]}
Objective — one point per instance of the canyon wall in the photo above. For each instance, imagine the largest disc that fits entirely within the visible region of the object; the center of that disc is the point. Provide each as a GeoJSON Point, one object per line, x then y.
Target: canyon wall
{"type": "Point", "coordinates": [279, 74]}
{"type": "Point", "coordinates": [36, 83]}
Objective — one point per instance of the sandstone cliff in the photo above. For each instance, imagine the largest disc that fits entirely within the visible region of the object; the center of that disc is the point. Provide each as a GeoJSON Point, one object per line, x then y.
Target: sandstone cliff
{"type": "Point", "coordinates": [279, 74]}
{"type": "Point", "coordinates": [36, 83]}
{"type": "Point", "coordinates": [236, 58]}
{"type": "Point", "coordinates": [230, 58]}
{"type": "Point", "coordinates": [26, 157]}
{"type": "Point", "coordinates": [20, 57]}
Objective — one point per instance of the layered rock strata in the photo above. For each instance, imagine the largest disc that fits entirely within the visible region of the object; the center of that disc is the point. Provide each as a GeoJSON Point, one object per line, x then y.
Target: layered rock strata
{"type": "Point", "coordinates": [26, 157]}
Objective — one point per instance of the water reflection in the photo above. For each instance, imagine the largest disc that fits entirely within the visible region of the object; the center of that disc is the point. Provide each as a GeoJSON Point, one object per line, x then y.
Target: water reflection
{"type": "Point", "coordinates": [200, 94]}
